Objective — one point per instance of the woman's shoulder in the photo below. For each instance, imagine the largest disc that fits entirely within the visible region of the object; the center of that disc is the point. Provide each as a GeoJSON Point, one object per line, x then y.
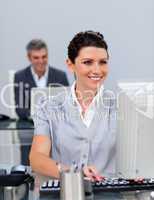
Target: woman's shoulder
{"type": "Point", "coordinates": [55, 100]}
{"type": "Point", "coordinates": [109, 98]}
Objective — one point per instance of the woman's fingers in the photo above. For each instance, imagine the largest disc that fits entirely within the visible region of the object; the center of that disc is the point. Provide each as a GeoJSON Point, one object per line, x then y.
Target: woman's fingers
{"type": "Point", "coordinates": [92, 173]}
{"type": "Point", "coordinates": [88, 172]}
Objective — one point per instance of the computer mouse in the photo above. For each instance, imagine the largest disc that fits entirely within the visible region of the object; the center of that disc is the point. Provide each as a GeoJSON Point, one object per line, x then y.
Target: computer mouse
{"type": "Point", "coordinates": [18, 169]}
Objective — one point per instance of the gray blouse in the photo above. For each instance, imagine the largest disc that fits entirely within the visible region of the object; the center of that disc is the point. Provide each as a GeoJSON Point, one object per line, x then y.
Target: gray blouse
{"type": "Point", "coordinates": [72, 142]}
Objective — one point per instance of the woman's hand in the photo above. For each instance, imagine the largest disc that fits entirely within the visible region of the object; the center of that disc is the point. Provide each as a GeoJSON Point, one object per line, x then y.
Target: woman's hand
{"type": "Point", "coordinates": [92, 173]}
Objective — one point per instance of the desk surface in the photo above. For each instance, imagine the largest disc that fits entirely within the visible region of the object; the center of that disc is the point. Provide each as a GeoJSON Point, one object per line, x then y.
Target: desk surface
{"type": "Point", "coordinates": [14, 124]}
{"type": "Point", "coordinates": [17, 194]}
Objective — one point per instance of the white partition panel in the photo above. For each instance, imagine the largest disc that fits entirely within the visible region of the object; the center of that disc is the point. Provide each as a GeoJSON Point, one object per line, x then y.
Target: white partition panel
{"type": "Point", "coordinates": [135, 137]}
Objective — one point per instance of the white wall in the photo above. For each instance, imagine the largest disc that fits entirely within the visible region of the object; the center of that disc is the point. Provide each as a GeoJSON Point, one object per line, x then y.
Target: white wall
{"type": "Point", "coordinates": [126, 25]}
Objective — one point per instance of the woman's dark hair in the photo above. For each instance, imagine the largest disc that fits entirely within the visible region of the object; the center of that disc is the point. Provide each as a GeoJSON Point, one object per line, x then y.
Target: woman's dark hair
{"type": "Point", "coordinates": [85, 39]}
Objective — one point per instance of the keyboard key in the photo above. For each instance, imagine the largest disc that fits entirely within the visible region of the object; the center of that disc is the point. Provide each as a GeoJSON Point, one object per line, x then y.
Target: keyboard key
{"type": "Point", "coordinates": [51, 183]}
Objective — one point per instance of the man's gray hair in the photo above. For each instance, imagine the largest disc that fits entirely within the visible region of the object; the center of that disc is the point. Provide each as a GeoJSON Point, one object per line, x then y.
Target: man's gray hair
{"type": "Point", "coordinates": [36, 44]}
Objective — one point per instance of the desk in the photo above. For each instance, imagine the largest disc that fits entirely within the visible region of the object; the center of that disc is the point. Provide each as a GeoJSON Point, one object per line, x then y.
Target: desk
{"type": "Point", "coordinates": [14, 124]}
{"type": "Point", "coordinates": [15, 141]}
{"type": "Point", "coordinates": [25, 192]}
{"type": "Point", "coordinates": [16, 194]}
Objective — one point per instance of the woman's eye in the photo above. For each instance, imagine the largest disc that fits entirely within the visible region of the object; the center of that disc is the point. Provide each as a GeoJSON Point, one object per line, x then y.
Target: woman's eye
{"type": "Point", "coordinates": [87, 62]}
{"type": "Point", "coordinates": [103, 62]}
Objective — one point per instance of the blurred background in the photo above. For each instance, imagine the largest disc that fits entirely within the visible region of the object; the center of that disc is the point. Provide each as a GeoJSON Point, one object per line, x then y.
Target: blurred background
{"type": "Point", "coordinates": [127, 27]}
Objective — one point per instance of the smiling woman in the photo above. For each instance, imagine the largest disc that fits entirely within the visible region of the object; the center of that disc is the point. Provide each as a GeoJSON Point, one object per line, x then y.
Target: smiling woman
{"type": "Point", "coordinates": [85, 136]}
{"type": "Point", "coordinates": [90, 68]}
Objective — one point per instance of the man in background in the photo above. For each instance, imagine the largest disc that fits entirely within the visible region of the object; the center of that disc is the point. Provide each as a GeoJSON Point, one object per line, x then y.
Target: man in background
{"type": "Point", "coordinates": [38, 74]}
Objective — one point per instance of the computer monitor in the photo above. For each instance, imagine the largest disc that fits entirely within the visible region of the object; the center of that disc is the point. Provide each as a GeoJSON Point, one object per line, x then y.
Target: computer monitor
{"type": "Point", "coordinates": [135, 133]}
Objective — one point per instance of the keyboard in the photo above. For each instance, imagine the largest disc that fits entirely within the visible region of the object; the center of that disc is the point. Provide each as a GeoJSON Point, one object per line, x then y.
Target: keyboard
{"type": "Point", "coordinates": [119, 184]}
{"type": "Point", "coordinates": [50, 186]}
{"type": "Point", "coordinates": [106, 185]}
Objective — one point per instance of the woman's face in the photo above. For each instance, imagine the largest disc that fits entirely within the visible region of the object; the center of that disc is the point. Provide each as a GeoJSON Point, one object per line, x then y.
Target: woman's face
{"type": "Point", "coordinates": [90, 68]}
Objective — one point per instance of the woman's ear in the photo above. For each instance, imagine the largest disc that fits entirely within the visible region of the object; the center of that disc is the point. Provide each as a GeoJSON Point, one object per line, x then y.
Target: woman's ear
{"type": "Point", "coordinates": [70, 65]}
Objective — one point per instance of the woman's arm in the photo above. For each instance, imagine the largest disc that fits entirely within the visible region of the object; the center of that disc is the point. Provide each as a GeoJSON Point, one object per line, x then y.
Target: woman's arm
{"type": "Point", "coordinates": [40, 160]}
